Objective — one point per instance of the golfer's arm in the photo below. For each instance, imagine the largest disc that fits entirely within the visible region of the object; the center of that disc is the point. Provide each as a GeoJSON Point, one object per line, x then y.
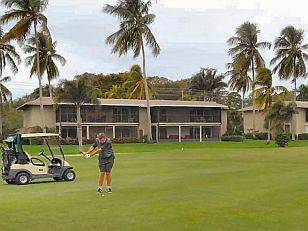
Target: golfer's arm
{"type": "Point", "coordinates": [96, 151]}
{"type": "Point", "coordinates": [90, 150]}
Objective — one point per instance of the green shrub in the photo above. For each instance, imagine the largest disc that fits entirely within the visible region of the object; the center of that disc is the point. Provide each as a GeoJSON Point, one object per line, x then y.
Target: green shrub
{"type": "Point", "coordinates": [232, 138]}
{"type": "Point", "coordinates": [282, 139]}
{"type": "Point", "coordinates": [261, 135]}
{"type": "Point", "coordinates": [248, 136]}
{"type": "Point", "coordinates": [303, 136]}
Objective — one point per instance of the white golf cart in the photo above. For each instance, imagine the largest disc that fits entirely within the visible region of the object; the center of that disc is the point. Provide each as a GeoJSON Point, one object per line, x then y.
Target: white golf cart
{"type": "Point", "coordinates": [18, 167]}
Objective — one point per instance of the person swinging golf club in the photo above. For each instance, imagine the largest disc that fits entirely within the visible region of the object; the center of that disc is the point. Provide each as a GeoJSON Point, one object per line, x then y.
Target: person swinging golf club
{"type": "Point", "coordinates": [103, 146]}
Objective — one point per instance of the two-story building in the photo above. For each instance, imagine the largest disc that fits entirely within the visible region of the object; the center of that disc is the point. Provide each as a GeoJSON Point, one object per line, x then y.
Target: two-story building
{"type": "Point", "coordinates": [171, 120]}
{"type": "Point", "coordinates": [301, 119]}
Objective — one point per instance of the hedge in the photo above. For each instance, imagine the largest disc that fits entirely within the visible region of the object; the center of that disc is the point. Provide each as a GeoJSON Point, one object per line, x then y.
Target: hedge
{"type": "Point", "coordinates": [233, 138]}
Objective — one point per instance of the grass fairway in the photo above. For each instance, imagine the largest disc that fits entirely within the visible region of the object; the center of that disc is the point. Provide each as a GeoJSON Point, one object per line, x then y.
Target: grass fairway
{"type": "Point", "coordinates": [207, 186]}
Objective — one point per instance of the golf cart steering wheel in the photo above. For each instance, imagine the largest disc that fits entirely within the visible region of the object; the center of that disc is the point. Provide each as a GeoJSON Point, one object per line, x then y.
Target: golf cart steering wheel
{"type": "Point", "coordinates": [41, 152]}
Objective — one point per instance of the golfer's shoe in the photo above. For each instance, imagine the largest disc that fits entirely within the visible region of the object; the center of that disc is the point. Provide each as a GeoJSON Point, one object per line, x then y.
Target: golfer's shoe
{"type": "Point", "coordinates": [109, 190]}
{"type": "Point", "coordinates": [99, 190]}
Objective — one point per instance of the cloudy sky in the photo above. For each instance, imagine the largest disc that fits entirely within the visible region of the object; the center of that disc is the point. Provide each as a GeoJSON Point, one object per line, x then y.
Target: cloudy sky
{"type": "Point", "coordinates": [192, 34]}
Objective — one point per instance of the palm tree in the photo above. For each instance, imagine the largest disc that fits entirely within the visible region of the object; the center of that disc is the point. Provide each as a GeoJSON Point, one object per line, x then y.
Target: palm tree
{"type": "Point", "coordinates": [47, 57]}
{"type": "Point", "coordinates": [116, 92]}
{"type": "Point", "coordinates": [280, 113]}
{"type": "Point", "coordinates": [303, 92]}
{"type": "Point", "coordinates": [26, 13]}
{"type": "Point", "coordinates": [77, 91]}
{"type": "Point", "coordinates": [5, 95]}
{"type": "Point", "coordinates": [134, 34]}
{"type": "Point", "coordinates": [8, 55]}
{"type": "Point", "coordinates": [208, 81]}
{"type": "Point", "coordinates": [265, 91]}
{"type": "Point", "coordinates": [135, 84]}
{"type": "Point", "coordinates": [290, 55]}
{"type": "Point", "coordinates": [245, 44]}
{"type": "Point", "coordinates": [239, 78]}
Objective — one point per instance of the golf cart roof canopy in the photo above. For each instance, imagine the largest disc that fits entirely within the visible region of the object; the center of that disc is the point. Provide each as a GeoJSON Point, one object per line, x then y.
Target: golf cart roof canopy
{"type": "Point", "coordinates": [32, 135]}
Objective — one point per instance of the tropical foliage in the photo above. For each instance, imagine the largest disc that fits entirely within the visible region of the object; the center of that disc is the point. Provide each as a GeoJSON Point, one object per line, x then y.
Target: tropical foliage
{"type": "Point", "coordinates": [134, 34]}
{"type": "Point", "coordinates": [265, 91]}
{"type": "Point", "coordinates": [77, 91]}
{"type": "Point", "coordinates": [135, 84]}
{"type": "Point", "coordinates": [245, 51]}
{"type": "Point", "coordinates": [25, 13]}
{"type": "Point", "coordinates": [47, 57]}
{"type": "Point", "coordinates": [5, 96]}
{"type": "Point", "coordinates": [208, 81]}
{"type": "Point", "coordinates": [290, 56]}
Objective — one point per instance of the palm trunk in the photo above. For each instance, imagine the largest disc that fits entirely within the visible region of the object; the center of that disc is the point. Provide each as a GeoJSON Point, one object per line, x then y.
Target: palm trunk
{"type": "Point", "coordinates": [243, 98]}
{"type": "Point", "coordinates": [79, 128]}
{"type": "Point", "coordinates": [1, 121]}
{"type": "Point", "coordinates": [269, 122]}
{"type": "Point", "coordinates": [242, 114]}
{"type": "Point", "coordinates": [253, 103]}
{"type": "Point", "coordinates": [294, 100]}
{"type": "Point", "coordinates": [149, 138]}
{"type": "Point", "coordinates": [50, 89]}
{"type": "Point", "coordinates": [38, 71]}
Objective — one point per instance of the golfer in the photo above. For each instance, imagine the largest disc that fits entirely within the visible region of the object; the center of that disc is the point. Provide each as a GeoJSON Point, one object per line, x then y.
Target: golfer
{"type": "Point", "coordinates": [103, 146]}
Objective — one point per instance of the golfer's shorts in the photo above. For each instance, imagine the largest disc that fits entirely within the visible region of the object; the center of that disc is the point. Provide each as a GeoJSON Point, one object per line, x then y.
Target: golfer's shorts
{"type": "Point", "coordinates": [106, 167]}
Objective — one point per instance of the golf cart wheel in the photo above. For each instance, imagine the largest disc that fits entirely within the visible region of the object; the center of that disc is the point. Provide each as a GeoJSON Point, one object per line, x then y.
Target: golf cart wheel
{"type": "Point", "coordinates": [58, 178]}
{"type": "Point", "coordinates": [22, 178]}
{"type": "Point", "coordinates": [69, 175]}
{"type": "Point", "coordinates": [10, 181]}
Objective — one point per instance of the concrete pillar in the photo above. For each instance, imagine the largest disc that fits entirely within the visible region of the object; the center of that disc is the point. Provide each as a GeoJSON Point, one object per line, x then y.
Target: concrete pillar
{"type": "Point", "coordinates": [113, 131]}
{"type": "Point", "coordinates": [200, 134]}
{"type": "Point", "coordinates": [88, 132]}
{"type": "Point", "coordinates": [157, 133]}
{"type": "Point", "coordinates": [180, 134]}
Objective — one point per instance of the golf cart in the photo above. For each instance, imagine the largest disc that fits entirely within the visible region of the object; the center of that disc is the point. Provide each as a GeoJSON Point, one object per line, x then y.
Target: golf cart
{"type": "Point", "coordinates": [18, 167]}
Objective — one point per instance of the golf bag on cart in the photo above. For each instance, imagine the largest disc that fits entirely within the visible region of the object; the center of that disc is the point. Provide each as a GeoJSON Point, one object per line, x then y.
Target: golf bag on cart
{"type": "Point", "coordinates": [8, 158]}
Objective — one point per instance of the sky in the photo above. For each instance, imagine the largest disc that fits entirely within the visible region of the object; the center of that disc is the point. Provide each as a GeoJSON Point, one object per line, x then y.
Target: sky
{"type": "Point", "coordinates": [192, 34]}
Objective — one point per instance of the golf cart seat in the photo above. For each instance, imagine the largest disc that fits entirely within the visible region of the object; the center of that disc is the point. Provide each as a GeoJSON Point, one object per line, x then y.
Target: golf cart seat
{"type": "Point", "coordinates": [22, 158]}
{"type": "Point", "coordinates": [56, 162]}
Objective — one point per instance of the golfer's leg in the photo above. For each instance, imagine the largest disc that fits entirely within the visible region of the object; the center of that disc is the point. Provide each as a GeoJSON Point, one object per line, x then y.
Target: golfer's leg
{"type": "Point", "coordinates": [101, 179]}
{"type": "Point", "coordinates": [108, 176]}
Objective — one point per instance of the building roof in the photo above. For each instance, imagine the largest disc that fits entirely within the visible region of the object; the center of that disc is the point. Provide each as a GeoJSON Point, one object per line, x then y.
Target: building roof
{"type": "Point", "coordinates": [48, 101]}
{"type": "Point", "coordinates": [300, 104]}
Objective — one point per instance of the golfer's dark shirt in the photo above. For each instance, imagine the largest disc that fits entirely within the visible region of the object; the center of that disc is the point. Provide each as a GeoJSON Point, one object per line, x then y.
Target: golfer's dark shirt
{"type": "Point", "coordinates": [107, 153]}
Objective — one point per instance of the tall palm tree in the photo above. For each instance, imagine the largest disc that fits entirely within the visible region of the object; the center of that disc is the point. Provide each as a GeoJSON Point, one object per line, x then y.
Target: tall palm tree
{"type": "Point", "coordinates": [135, 84]}
{"type": "Point", "coordinates": [134, 34]}
{"type": "Point", "coordinates": [239, 78]}
{"type": "Point", "coordinates": [47, 57]}
{"type": "Point", "coordinates": [5, 95]}
{"type": "Point", "coordinates": [290, 55]}
{"type": "Point", "coordinates": [8, 55]}
{"type": "Point", "coordinates": [207, 80]}
{"type": "Point", "coordinates": [245, 44]}
{"type": "Point", "coordinates": [77, 91]}
{"type": "Point", "coordinates": [265, 91]}
{"type": "Point", "coordinates": [26, 13]}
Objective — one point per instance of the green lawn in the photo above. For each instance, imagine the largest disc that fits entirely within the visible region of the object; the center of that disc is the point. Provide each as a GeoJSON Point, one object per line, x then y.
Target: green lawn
{"type": "Point", "coordinates": [171, 186]}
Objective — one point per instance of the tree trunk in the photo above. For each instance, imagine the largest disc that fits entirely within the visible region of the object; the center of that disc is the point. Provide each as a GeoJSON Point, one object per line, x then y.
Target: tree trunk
{"type": "Point", "coordinates": [269, 122]}
{"type": "Point", "coordinates": [146, 90]}
{"type": "Point", "coordinates": [50, 89]}
{"type": "Point", "coordinates": [1, 122]}
{"type": "Point", "coordinates": [38, 71]}
{"type": "Point", "coordinates": [293, 116]}
{"type": "Point", "coordinates": [79, 128]}
{"type": "Point", "coordinates": [294, 100]}
{"type": "Point", "coordinates": [253, 103]}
